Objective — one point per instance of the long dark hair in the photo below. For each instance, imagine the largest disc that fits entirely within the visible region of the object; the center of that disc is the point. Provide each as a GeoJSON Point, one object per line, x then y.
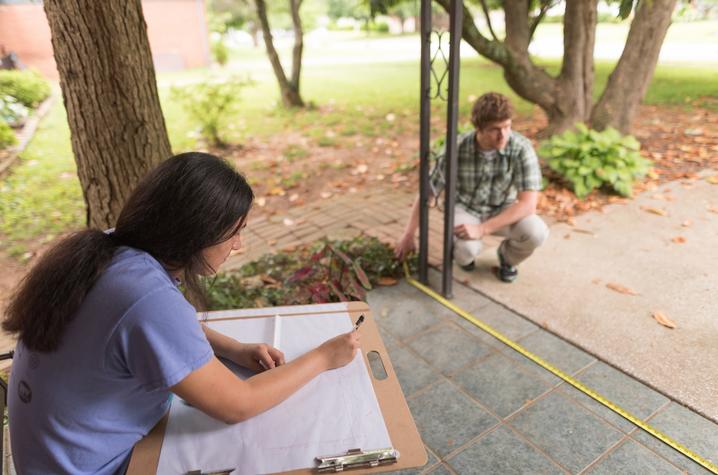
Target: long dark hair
{"type": "Point", "coordinates": [188, 203]}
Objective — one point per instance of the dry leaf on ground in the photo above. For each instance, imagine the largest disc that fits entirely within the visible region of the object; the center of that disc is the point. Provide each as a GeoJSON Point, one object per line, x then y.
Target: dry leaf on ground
{"type": "Point", "coordinates": [387, 281]}
{"type": "Point", "coordinates": [325, 194]}
{"type": "Point", "coordinates": [658, 211]}
{"type": "Point", "coordinates": [687, 223]}
{"type": "Point", "coordinates": [713, 209]}
{"type": "Point", "coordinates": [661, 318]}
{"type": "Point", "coordinates": [712, 179]}
{"type": "Point", "coordinates": [621, 289]}
{"type": "Point", "coordinates": [261, 201]}
{"type": "Point", "coordinates": [679, 239]}
{"type": "Point", "coordinates": [288, 222]}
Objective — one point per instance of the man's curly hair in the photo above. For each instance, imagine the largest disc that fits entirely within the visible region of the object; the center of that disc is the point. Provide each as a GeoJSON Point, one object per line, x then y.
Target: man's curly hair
{"type": "Point", "coordinates": [491, 107]}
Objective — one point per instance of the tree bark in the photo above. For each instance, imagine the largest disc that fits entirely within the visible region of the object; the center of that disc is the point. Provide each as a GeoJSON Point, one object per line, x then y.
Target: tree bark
{"type": "Point", "coordinates": [629, 81]}
{"type": "Point", "coordinates": [109, 89]}
{"type": "Point", "coordinates": [289, 89]}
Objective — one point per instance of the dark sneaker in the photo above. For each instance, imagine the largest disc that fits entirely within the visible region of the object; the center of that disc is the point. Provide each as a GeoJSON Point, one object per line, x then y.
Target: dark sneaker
{"type": "Point", "coordinates": [469, 267]}
{"type": "Point", "coordinates": [505, 272]}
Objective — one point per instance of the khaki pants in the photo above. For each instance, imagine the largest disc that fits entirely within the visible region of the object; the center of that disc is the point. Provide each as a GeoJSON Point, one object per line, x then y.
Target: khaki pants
{"type": "Point", "coordinates": [523, 237]}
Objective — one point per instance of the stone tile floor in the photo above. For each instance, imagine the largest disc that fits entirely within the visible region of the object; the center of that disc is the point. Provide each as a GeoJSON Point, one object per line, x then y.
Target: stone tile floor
{"type": "Point", "coordinates": [483, 408]}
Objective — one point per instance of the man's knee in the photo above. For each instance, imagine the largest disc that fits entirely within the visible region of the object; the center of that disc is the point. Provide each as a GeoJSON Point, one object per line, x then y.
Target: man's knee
{"type": "Point", "coordinates": [534, 231]}
{"type": "Point", "coordinates": [466, 250]}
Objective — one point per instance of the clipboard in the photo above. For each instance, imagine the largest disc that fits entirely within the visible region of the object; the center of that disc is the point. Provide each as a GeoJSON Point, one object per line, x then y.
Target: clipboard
{"type": "Point", "coordinates": [399, 422]}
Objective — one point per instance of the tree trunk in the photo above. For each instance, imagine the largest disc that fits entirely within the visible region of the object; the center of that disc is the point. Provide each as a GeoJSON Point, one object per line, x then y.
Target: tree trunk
{"type": "Point", "coordinates": [573, 90]}
{"type": "Point", "coordinates": [298, 43]}
{"type": "Point", "coordinates": [288, 89]}
{"type": "Point", "coordinates": [629, 81]}
{"type": "Point", "coordinates": [110, 93]}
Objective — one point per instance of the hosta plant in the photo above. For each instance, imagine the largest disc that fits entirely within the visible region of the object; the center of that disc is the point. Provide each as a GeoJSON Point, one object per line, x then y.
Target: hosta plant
{"type": "Point", "coordinates": [589, 159]}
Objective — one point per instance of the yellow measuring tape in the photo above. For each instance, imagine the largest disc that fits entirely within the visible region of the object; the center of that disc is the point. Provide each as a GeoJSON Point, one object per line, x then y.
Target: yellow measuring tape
{"type": "Point", "coordinates": [573, 382]}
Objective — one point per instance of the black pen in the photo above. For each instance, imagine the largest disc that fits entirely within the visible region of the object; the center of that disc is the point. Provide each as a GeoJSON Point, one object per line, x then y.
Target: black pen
{"type": "Point", "coordinates": [359, 321]}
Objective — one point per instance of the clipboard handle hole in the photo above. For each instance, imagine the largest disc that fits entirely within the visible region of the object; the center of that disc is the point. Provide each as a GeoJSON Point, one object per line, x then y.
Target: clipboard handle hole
{"type": "Point", "coordinates": [376, 365]}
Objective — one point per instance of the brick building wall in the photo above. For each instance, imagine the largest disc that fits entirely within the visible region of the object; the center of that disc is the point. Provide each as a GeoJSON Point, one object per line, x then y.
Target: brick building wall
{"type": "Point", "coordinates": [177, 30]}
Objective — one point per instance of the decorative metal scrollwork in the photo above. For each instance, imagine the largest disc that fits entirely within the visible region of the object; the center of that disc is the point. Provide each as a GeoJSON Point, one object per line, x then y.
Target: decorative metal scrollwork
{"type": "Point", "coordinates": [439, 64]}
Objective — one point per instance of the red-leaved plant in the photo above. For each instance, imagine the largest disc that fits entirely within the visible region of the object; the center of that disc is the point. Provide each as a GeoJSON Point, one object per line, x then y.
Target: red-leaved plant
{"type": "Point", "coordinates": [330, 275]}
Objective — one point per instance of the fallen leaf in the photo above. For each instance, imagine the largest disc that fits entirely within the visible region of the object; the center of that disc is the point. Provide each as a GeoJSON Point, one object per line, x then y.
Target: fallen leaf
{"type": "Point", "coordinates": [596, 280]}
{"type": "Point", "coordinates": [261, 201]}
{"type": "Point", "coordinates": [294, 197]}
{"type": "Point", "coordinates": [621, 289]}
{"type": "Point", "coordinates": [713, 180]}
{"type": "Point", "coordinates": [380, 177]}
{"type": "Point", "coordinates": [268, 279]}
{"type": "Point", "coordinates": [390, 117]}
{"type": "Point", "coordinates": [567, 236]}
{"type": "Point", "coordinates": [277, 191]}
{"type": "Point", "coordinates": [272, 242]}
{"type": "Point", "coordinates": [362, 169]}
{"type": "Point", "coordinates": [679, 239]}
{"type": "Point", "coordinates": [661, 318]}
{"type": "Point", "coordinates": [290, 248]}
{"type": "Point", "coordinates": [713, 209]}
{"type": "Point", "coordinates": [659, 212]}
{"type": "Point", "coordinates": [387, 281]}
{"type": "Point", "coordinates": [687, 223]}
{"type": "Point", "coordinates": [325, 194]}
{"type": "Point", "coordinates": [288, 222]}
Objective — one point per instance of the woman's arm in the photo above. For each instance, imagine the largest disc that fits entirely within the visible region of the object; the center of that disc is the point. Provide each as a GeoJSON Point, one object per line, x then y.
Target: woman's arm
{"type": "Point", "coordinates": [215, 390]}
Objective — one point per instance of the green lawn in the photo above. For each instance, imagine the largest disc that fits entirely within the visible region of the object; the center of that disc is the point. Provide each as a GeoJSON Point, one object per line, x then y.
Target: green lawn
{"type": "Point", "coordinates": [41, 197]}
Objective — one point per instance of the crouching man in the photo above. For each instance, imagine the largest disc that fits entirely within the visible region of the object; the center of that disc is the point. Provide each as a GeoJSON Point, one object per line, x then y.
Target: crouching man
{"type": "Point", "coordinates": [497, 189]}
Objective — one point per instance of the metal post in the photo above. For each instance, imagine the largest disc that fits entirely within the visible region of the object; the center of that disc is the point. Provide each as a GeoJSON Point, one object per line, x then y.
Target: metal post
{"type": "Point", "coordinates": [425, 130]}
{"type": "Point", "coordinates": [452, 110]}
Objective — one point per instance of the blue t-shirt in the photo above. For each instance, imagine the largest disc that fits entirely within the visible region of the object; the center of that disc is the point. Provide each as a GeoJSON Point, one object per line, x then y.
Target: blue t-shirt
{"type": "Point", "coordinates": [82, 408]}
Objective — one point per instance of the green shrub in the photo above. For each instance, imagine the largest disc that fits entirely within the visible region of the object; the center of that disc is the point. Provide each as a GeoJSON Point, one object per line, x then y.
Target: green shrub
{"type": "Point", "coordinates": [211, 103]}
{"type": "Point", "coordinates": [378, 27]}
{"type": "Point", "coordinates": [28, 87]}
{"type": "Point", "coordinates": [12, 111]}
{"type": "Point", "coordinates": [220, 52]}
{"type": "Point", "coordinates": [7, 136]}
{"type": "Point", "coordinates": [589, 159]}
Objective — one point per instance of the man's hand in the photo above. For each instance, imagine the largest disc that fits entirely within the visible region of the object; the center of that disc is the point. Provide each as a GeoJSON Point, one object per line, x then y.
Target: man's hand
{"type": "Point", "coordinates": [257, 356]}
{"type": "Point", "coordinates": [469, 231]}
{"type": "Point", "coordinates": [405, 246]}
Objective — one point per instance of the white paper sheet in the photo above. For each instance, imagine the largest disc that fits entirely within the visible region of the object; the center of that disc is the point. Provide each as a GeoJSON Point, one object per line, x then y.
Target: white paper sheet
{"type": "Point", "coordinates": [336, 411]}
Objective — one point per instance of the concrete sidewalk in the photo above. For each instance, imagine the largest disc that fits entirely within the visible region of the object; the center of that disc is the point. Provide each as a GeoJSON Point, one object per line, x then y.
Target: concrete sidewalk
{"type": "Point", "coordinates": [482, 408]}
{"type": "Point", "coordinates": [563, 286]}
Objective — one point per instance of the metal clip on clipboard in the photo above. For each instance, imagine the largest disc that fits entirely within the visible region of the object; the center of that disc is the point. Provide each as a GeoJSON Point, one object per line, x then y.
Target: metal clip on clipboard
{"type": "Point", "coordinates": [357, 458]}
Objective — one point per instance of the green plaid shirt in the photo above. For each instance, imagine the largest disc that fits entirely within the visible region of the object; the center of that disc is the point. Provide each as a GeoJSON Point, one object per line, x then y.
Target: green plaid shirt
{"type": "Point", "coordinates": [486, 186]}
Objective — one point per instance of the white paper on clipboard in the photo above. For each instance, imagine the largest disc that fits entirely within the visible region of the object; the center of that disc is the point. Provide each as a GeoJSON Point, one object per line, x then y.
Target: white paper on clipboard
{"type": "Point", "coordinates": [336, 411]}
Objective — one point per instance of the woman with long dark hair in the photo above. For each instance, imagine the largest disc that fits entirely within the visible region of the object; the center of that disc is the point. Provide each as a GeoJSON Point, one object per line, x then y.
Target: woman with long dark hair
{"type": "Point", "coordinates": [105, 334]}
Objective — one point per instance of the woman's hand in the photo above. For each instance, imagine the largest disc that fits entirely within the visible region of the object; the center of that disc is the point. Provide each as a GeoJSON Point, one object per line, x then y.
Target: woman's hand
{"type": "Point", "coordinates": [340, 350]}
{"type": "Point", "coordinates": [257, 356]}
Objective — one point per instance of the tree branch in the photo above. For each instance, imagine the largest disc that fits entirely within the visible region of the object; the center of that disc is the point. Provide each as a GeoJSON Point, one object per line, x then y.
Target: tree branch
{"type": "Point", "coordinates": [545, 6]}
{"type": "Point", "coordinates": [485, 8]}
